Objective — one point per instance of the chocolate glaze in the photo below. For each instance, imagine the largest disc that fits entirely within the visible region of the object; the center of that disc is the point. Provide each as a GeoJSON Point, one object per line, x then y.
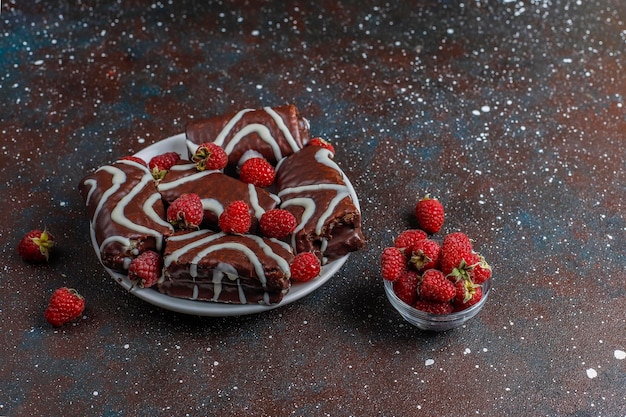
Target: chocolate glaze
{"type": "Point", "coordinates": [241, 269]}
{"type": "Point", "coordinates": [273, 132]}
{"type": "Point", "coordinates": [314, 189]}
{"type": "Point", "coordinates": [116, 197]}
{"type": "Point", "coordinates": [216, 189]}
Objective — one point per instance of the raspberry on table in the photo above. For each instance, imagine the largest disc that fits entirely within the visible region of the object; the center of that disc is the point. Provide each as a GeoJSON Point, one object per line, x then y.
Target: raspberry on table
{"type": "Point", "coordinates": [36, 246]}
{"type": "Point", "coordinates": [430, 214]}
{"type": "Point", "coordinates": [65, 305]}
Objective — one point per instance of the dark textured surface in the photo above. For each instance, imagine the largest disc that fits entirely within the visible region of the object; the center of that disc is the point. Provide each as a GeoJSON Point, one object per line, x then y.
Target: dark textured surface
{"type": "Point", "coordinates": [511, 111]}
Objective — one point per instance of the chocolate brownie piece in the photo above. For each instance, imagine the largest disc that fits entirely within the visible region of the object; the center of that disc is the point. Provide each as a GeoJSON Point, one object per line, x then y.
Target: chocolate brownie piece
{"type": "Point", "coordinates": [227, 268]}
{"type": "Point", "coordinates": [313, 188]}
{"type": "Point", "coordinates": [273, 132]}
{"type": "Point", "coordinates": [126, 212]}
{"type": "Point", "coordinates": [216, 190]}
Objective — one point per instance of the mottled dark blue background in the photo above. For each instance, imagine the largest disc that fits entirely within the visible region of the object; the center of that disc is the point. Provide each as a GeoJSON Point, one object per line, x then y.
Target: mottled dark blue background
{"type": "Point", "coordinates": [511, 112]}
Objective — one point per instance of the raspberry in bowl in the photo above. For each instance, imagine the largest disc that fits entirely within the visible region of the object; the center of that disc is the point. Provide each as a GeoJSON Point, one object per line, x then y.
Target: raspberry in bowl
{"type": "Point", "coordinates": [435, 283]}
{"type": "Point", "coordinates": [432, 321]}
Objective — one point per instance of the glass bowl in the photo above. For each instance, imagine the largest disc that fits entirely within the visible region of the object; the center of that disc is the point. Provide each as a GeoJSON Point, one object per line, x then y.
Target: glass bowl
{"type": "Point", "coordinates": [435, 322]}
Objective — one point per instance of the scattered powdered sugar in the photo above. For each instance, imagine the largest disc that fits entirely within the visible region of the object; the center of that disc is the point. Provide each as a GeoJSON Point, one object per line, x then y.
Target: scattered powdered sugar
{"type": "Point", "coordinates": [619, 354]}
{"type": "Point", "coordinates": [591, 373]}
{"type": "Point", "coordinates": [429, 362]}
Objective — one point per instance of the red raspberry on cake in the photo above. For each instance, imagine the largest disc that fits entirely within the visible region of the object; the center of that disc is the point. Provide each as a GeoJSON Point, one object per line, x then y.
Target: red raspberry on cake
{"type": "Point", "coordinates": [434, 286]}
{"type": "Point", "coordinates": [392, 263]}
{"type": "Point", "coordinates": [235, 218]}
{"type": "Point", "coordinates": [160, 164]}
{"type": "Point", "coordinates": [405, 287]}
{"type": "Point", "coordinates": [305, 267]}
{"type": "Point", "coordinates": [410, 237]}
{"type": "Point", "coordinates": [35, 246]}
{"type": "Point", "coordinates": [430, 214]}
{"type": "Point", "coordinates": [210, 156]}
{"type": "Point", "coordinates": [134, 159]}
{"type": "Point", "coordinates": [424, 254]}
{"type": "Point", "coordinates": [186, 212]}
{"type": "Point", "coordinates": [277, 223]}
{"type": "Point", "coordinates": [257, 171]}
{"type": "Point", "coordinates": [145, 270]}
{"type": "Point", "coordinates": [65, 305]}
{"type": "Point", "coordinates": [322, 143]}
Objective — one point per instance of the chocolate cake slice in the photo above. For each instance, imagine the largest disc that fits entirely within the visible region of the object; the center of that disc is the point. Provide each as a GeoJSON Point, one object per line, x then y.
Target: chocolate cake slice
{"type": "Point", "coordinates": [227, 268]}
{"type": "Point", "coordinates": [313, 188]}
{"type": "Point", "coordinates": [126, 212]}
{"type": "Point", "coordinates": [273, 132]}
{"type": "Point", "coordinates": [216, 190]}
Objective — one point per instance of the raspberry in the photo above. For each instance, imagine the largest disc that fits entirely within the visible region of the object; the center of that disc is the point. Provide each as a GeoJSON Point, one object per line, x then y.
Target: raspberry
{"type": "Point", "coordinates": [425, 254]}
{"type": "Point", "coordinates": [405, 287]}
{"type": "Point", "coordinates": [257, 171]}
{"type": "Point", "coordinates": [277, 223]}
{"type": "Point", "coordinates": [160, 164]}
{"type": "Point", "coordinates": [436, 287]}
{"type": "Point", "coordinates": [134, 159]}
{"type": "Point", "coordinates": [322, 143]}
{"type": "Point", "coordinates": [65, 305]}
{"type": "Point", "coordinates": [235, 218]}
{"type": "Point", "coordinates": [210, 156]}
{"type": "Point", "coordinates": [409, 237]}
{"type": "Point", "coordinates": [467, 294]}
{"type": "Point", "coordinates": [430, 214]}
{"type": "Point", "coordinates": [456, 247]}
{"type": "Point", "coordinates": [433, 307]}
{"type": "Point", "coordinates": [35, 246]}
{"type": "Point", "coordinates": [305, 266]}
{"type": "Point", "coordinates": [392, 263]}
{"type": "Point", "coordinates": [146, 269]}
{"type": "Point", "coordinates": [186, 212]}
{"type": "Point", "coordinates": [481, 271]}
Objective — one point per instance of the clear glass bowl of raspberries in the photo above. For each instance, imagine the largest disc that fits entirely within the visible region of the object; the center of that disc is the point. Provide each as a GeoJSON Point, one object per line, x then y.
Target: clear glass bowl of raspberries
{"type": "Point", "coordinates": [435, 322]}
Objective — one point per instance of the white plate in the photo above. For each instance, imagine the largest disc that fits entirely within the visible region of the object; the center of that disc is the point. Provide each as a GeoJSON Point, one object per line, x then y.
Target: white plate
{"type": "Point", "coordinates": [206, 308]}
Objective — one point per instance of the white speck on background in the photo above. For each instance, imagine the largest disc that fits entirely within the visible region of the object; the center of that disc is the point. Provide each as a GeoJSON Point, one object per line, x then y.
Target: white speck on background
{"type": "Point", "coordinates": [619, 354]}
{"type": "Point", "coordinates": [467, 351]}
{"type": "Point", "coordinates": [429, 362]}
{"type": "Point", "coordinates": [591, 373]}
